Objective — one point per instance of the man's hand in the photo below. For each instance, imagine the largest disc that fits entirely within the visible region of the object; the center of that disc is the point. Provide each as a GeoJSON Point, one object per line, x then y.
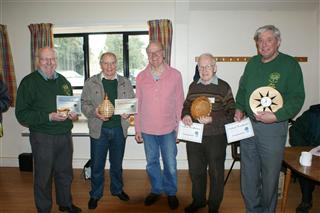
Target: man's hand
{"type": "Point", "coordinates": [73, 116]}
{"type": "Point", "coordinates": [238, 115]}
{"type": "Point", "coordinates": [55, 116]}
{"type": "Point", "coordinates": [205, 119]}
{"type": "Point", "coordinates": [266, 117]}
{"type": "Point", "coordinates": [101, 117]}
{"type": "Point", "coordinates": [138, 137]}
{"type": "Point", "coordinates": [187, 120]}
{"type": "Point", "coordinates": [125, 116]}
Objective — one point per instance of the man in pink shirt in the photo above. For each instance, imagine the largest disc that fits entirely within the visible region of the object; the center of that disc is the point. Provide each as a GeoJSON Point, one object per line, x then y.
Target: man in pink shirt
{"type": "Point", "coordinates": [160, 99]}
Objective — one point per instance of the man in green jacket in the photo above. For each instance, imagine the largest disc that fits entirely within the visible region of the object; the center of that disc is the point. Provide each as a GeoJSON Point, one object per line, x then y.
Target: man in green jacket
{"type": "Point", "coordinates": [50, 132]}
{"type": "Point", "coordinates": [305, 131]}
{"type": "Point", "coordinates": [261, 155]}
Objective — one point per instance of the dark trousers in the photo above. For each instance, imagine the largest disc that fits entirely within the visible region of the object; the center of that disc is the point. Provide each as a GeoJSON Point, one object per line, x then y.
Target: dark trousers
{"type": "Point", "coordinates": [210, 153]}
{"type": "Point", "coordinates": [52, 160]}
{"type": "Point", "coordinates": [307, 186]}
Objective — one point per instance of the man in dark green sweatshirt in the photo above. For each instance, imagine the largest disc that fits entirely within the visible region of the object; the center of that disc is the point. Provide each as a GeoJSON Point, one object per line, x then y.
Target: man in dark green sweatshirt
{"type": "Point", "coordinates": [261, 155]}
{"type": "Point", "coordinates": [50, 132]}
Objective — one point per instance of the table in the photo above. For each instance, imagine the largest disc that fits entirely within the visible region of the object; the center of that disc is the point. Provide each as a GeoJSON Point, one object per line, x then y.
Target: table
{"type": "Point", "coordinates": [80, 129]}
{"type": "Point", "coordinates": [291, 160]}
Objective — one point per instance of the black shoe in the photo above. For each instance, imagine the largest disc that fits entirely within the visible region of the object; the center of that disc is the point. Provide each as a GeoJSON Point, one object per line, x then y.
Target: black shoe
{"type": "Point", "coordinates": [303, 207]}
{"type": "Point", "coordinates": [151, 199]}
{"type": "Point", "coordinates": [173, 202]}
{"type": "Point", "coordinates": [70, 209]}
{"type": "Point", "coordinates": [213, 210]}
{"type": "Point", "coordinates": [93, 203]}
{"type": "Point", "coordinates": [123, 196]}
{"type": "Point", "coordinates": [193, 207]}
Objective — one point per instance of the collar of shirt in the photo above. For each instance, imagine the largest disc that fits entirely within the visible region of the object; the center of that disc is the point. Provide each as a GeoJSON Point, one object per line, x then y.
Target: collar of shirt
{"type": "Point", "coordinates": [104, 77]}
{"type": "Point", "coordinates": [45, 77]}
{"type": "Point", "coordinates": [213, 80]}
{"type": "Point", "coordinates": [163, 74]}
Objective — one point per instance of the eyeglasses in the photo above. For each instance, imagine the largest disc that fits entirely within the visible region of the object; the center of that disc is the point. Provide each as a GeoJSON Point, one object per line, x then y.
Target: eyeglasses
{"type": "Point", "coordinates": [157, 53]}
{"type": "Point", "coordinates": [47, 60]}
{"type": "Point", "coordinates": [109, 63]}
{"type": "Point", "coordinates": [207, 67]}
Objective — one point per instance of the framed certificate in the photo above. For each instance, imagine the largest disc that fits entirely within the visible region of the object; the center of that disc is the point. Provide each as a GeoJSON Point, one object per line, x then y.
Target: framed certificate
{"type": "Point", "coordinates": [125, 106]}
{"type": "Point", "coordinates": [191, 133]}
{"type": "Point", "coordinates": [66, 104]}
{"type": "Point", "coordinates": [239, 130]}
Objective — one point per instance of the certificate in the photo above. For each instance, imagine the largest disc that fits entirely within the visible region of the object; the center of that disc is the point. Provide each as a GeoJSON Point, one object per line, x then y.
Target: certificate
{"type": "Point", "coordinates": [239, 130]}
{"type": "Point", "coordinates": [191, 133]}
{"type": "Point", "coordinates": [127, 106]}
{"type": "Point", "coordinates": [66, 104]}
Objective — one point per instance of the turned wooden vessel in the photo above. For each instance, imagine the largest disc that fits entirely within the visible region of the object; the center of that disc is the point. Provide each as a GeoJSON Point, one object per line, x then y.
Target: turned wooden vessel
{"type": "Point", "coordinates": [106, 108]}
{"type": "Point", "coordinates": [200, 106]}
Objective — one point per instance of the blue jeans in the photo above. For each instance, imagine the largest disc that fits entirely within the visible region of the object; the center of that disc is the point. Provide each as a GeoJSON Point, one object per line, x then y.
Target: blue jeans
{"type": "Point", "coordinates": [165, 181]}
{"type": "Point", "coordinates": [111, 139]}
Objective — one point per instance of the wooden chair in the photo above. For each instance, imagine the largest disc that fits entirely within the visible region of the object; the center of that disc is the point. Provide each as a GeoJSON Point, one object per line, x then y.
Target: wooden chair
{"type": "Point", "coordinates": [235, 152]}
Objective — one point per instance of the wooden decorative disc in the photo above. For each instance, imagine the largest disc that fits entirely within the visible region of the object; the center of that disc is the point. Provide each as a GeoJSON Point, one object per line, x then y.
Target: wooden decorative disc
{"type": "Point", "coordinates": [265, 99]}
{"type": "Point", "coordinates": [200, 106]}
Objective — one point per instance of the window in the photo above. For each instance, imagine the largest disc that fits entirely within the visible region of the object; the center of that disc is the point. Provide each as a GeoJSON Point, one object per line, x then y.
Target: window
{"type": "Point", "coordinates": [79, 54]}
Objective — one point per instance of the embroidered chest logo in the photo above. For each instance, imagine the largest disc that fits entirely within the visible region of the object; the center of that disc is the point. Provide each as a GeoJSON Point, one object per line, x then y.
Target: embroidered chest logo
{"type": "Point", "coordinates": [66, 89]}
{"type": "Point", "coordinates": [273, 79]}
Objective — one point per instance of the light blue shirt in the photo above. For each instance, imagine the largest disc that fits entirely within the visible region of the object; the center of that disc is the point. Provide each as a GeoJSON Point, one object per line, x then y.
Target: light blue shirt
{"type": "Point", "coordinates": [45, 77]}
{"type": "Point", "coordinates": [213, 80]}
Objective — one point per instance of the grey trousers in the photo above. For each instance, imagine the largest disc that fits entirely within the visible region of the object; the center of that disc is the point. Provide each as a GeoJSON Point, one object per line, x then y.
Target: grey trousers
{"type": "Point", "coordinates": [52, 156]}
{"type": "Point", "coordinates": [261, 160]}
{"type": "Point", "coordinates": [210, 153]}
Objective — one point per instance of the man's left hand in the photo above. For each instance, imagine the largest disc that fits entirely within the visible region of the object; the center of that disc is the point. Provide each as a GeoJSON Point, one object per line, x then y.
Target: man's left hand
{"type": "Point", "coordinates": [73, 116]}
{"type": "Point", "coordinates": [266, 117]}
{"type": "Point", "coordinates": [205, 119]}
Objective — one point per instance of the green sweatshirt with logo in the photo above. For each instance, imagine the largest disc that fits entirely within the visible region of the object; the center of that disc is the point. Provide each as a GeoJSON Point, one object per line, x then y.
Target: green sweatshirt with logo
{"type": "Point", "coordinates": [36, 99]}
{"type": "Point", "coordinates": [282, 73]}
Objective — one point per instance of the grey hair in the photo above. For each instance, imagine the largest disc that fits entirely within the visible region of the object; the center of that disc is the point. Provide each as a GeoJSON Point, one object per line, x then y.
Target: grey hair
{"type": "Point", "coordinates": [209, 55]}
{"type": "Point", "coordinates": [108, 54]}
{"type": "Point", "coordinates": [272, 28]}
{"type": "Point", "coordinates": [38, 51]}
{"type": "Point", "coordinates": [158, 43]}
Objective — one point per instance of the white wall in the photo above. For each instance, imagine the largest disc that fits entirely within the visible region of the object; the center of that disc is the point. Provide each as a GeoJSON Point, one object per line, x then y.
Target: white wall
{"type": "Point", "coordinates": [222, 28]}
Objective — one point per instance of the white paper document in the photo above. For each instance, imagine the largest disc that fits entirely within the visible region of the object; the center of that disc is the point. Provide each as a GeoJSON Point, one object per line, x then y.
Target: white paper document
{"type": "Point", "coordinates": [69, 104]}
{"type": "Point", "coordinates": [125, 106]}
{"type": "Point", "coordinates": [239, 130]}
{"type": "Point", "coordinates": [191, 133]}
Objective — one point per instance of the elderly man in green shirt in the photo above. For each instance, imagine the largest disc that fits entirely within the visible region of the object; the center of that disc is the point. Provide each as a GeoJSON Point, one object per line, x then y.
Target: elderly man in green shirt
{"type": "Point", "coordinates": [261, 155]}
{"type": "Point", "coordinates": [50, 132]}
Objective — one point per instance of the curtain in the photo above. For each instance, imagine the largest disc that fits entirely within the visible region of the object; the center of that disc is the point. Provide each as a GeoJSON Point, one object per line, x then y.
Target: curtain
{"type": "Point", "coordinates": [7, 74]}
{"type": "Point", "coordinates": [41, 36]}
{"type": "Point", "coordinates": [161, 30]}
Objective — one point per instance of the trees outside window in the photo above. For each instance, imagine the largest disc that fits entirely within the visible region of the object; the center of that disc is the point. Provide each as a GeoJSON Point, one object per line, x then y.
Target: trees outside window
{"type": "Point", "coordinates": [79, 54]}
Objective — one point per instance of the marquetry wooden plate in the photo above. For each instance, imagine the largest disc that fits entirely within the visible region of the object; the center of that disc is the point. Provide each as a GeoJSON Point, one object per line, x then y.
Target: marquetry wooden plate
{"type": "Point", "coordinates": [265, 99]}
{"type": "Point", "coordinates": [200, 106]}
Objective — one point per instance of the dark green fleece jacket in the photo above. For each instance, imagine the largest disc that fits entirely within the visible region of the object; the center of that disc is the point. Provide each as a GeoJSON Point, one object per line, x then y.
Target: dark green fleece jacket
{"type": "Point", "coordinates": [36, 99]}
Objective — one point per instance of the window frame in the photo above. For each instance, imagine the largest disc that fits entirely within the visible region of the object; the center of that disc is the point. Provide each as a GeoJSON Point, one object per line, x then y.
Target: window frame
{"type": "Point", "coordinates": [85, 36]}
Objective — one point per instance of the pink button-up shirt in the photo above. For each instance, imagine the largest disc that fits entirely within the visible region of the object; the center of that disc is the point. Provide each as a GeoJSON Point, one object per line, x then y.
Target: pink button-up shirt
{"type": "Point", "coordinates": [159, 101]}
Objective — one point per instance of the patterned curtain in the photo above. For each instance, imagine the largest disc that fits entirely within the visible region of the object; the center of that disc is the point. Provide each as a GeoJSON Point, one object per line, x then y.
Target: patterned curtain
{"type": "Point", "coordinates": [161, 30]}
{"type": "Point", "coordinates": [41, 36]}
{"type": "Point", "coordinates": [7, 74]}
